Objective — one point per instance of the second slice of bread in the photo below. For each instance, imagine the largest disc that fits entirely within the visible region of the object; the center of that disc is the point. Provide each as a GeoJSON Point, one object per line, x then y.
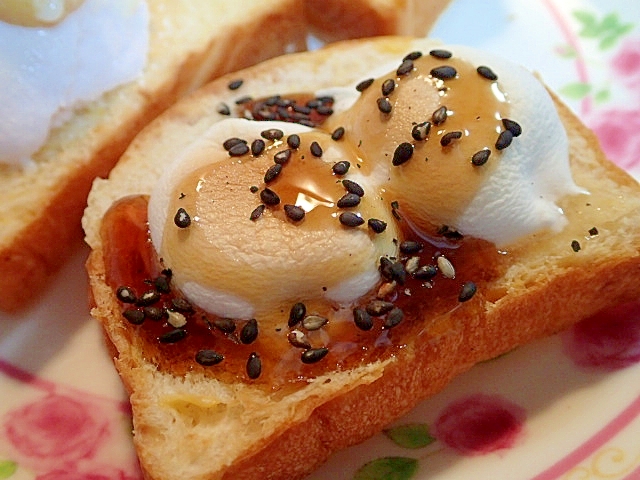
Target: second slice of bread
{"type": "Point", "coordinates": [198, 427]}
{"type": "Point", "coordinates": [190, 43]}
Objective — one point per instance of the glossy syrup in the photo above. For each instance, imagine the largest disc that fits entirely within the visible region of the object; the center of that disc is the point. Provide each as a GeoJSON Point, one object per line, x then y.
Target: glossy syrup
{"type": "Point", "coordinates": [430, 309]}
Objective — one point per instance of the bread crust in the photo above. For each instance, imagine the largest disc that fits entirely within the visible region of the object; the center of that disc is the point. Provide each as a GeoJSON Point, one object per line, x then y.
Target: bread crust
{"type": "Point", "coordinates": [42, 219]}
{"type": "Point", "coordinates": [546, 288]}
{"type": "Point", "coordinates": [333, 20]}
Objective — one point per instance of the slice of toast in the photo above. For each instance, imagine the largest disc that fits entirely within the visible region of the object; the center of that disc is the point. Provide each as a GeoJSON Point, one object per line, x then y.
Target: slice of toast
{"type": "Point", "coordinates": [207, 424]}
{"type": "Point", "coordinates": [190, 42]}
{"type": "Point", "coordinates": [334, 20]}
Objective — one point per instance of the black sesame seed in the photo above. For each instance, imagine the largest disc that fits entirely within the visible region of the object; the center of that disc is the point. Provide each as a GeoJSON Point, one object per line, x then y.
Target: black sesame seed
{"type": "Point", "coordinates": [353, 187]}
{"type": "Point", "coordinates": [449, 137]}
{"type": "Point", "coordinates": [480, 157]}
{"type": "Point", "coordinates": [148, 298]}
{"type": "Point", "coordinates": [134, 316]}
{"type": "Point", "coordinates": [362, 319]}
{"type": "Point", "coordinates": [384, 105]}
{"type": "Point", "coordinates": [223, 109]}
{"type": "Point", "coordinates": [303, 109]}
{"type": "Point", "coordinates": [235, 84]}
{"type": "Point", "coordinates": [364, 84]}
{"type": "Point", "coordinates": [467, 291]}
{"type": "Point", "coordinates": [181, 305]}
{"type": "Point", "coordinates": [426, 272]}
{"type": "Point", "coordinates": [398, 273]}
{"type": "Point", "coordinates": [126, 294]}
{"type": "Point", "coordinates": [385, 267]}
{"type": "Point", "coordinates": [504, 140]}
{"type": "Point", "coordinates": [225, 325]}
{"type": "Point", "coordinates": [420, 131]}
{"type": "Point", "coordinates": [272, 134]}
{"type": "Point", "coordinates": [412, 56]}
{"type": "Point", "coordinates": [239, 150]}
{"type": "Point", "coordinates": [350, 219]}
{"type": "Point", "coordinates": [314, 355]}
{"type": "Point", "coordinates": [593, 231]}
{"type": "Point", "coordinates": [153, 313]}
{"type": "Point", "coordinates": [513, 126]}
{"type": "Point", "coordinates": [575, 246]}
{"type": "Point", "coordinates": [402, 154]}
{"type": "Point", "coordinates": [297, 313]}
{"type": "Point", "coordinates": [439, 53]}
{"type": "Point", "coordinates": [294, 212]}
{"type": "Point", "coordinates": [378, 226]}
{"type": "Point", "coordinates": [282, 156]}
{"type": "Point", "coordinates": [257, 147]}
{"type": "Point", "coordinates": [348, 200]}
{"type": "Point", "coordinates": [487, 73]}
{"type": "Point", "coordinates": [405, 67]}
{"type": "Point", "coordinates": [439, 116]}
{"type": "Point", "coordinates": [337, 134]}
{"type": "Point", "coordinates": [307, 123]}
{"type": "Point", "coordinates": [272, 172]}
{"type": "Point", "coordinates": [324, 110]}
{"type": "Point", "coordinates": [377, 308]}
{"type": "Point", "coordinates": [208, 357]}
{"type": "Point", "coordinates": [243, 100]}
{"type": "Point", "coordinates": [388, 86]}
{"type": "Point", "coordinates": [409, 247]}
{"type": "Point", "coordinates": [257, 212]}
{"type": "Point", "coordinates": [269, 197]}
{"type": "Point", "coordinates": [316, 149]}
{"type": "Point", "coordinates": [172, 336]}
{"type": "Point", "coordinates": [396, 315]}
{"type": "Point", "coordinates": [231, 142]}
{"type": "Point", "coordinates": [161, 283]}
{"type": "Point", "coordinates": [341, 167]}
{"type": "Point", "coordinates": [182, 218]}
{"type": "Point", "coordinates": [254, 366]}
{"type": "Point", "coordinates": [249, 332]}
{"type": "Point", "coordinates": [293, 141]}
{"type": "Point", "coordinates": [254, 189]}
{"type": "Point", "coordinates": [445, 72]}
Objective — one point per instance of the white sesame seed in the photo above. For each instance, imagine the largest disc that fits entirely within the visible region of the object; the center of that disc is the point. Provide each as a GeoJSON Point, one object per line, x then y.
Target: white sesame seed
{"type": "Point", "coordinates": [446, 267]}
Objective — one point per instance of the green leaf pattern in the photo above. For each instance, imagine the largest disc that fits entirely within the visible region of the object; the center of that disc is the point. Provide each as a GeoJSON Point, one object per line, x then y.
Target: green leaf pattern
{"type": "Point", "coordinates": [606, 32]}
{"type": "Point", "coordinates": [388, 468]}
{"type": "Point", "coordinates": [415, 435]}
{"type": "Point", "coordinates": [7, 469]}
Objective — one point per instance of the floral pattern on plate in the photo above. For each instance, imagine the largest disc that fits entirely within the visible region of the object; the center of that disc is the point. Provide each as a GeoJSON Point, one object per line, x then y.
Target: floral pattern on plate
{"type": "Point", "coordinates": [566, 407]}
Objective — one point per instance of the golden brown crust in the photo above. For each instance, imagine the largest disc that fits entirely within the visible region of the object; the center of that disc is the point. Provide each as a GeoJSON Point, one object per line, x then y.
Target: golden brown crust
{"type": "Point", "coordinates": [333, 20]}
{"type": "Point", "coordinates": [532, 302]}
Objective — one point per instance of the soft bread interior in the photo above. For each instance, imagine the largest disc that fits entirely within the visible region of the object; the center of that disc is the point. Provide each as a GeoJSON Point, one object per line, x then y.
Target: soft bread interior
{"type": "Point", "coordinates": [197, 428]}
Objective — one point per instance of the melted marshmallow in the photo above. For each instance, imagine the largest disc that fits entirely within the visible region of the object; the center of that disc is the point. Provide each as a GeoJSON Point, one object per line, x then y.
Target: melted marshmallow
{"type": "Point", "coordinates": [48, 71]}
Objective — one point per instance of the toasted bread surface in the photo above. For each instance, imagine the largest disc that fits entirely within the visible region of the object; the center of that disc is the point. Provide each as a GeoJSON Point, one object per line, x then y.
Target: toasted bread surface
{"type": "Point", "coordinates": [340, 20]}
{"type": "Point", "coordinates": [197, 427]}
{"type": "Point", "coordinates": [190, 43]}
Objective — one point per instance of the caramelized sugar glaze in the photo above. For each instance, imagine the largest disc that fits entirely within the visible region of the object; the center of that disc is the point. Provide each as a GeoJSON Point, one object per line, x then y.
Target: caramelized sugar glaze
{"type": "Point", "coordinates": [428, 305]}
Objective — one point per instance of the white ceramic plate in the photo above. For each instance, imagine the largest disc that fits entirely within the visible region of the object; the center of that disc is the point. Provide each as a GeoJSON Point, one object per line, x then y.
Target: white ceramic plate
{"type": "Point", "coordinates": [566, 407]}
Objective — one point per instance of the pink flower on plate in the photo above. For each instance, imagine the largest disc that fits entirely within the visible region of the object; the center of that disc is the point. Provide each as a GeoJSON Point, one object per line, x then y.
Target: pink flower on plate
{"type": "Point", "coordinates": [609, 340]}
{"type": "Point", "coordinates": [617, 131]}
{"type": "Point", "coordinates": [626, 64]}
{"type": "Point", "coordinates": [104, 474]}
{"type": "Point", "coordinates": [480, 424]}
{"type": "Point", "coordinates": [55, 430]}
